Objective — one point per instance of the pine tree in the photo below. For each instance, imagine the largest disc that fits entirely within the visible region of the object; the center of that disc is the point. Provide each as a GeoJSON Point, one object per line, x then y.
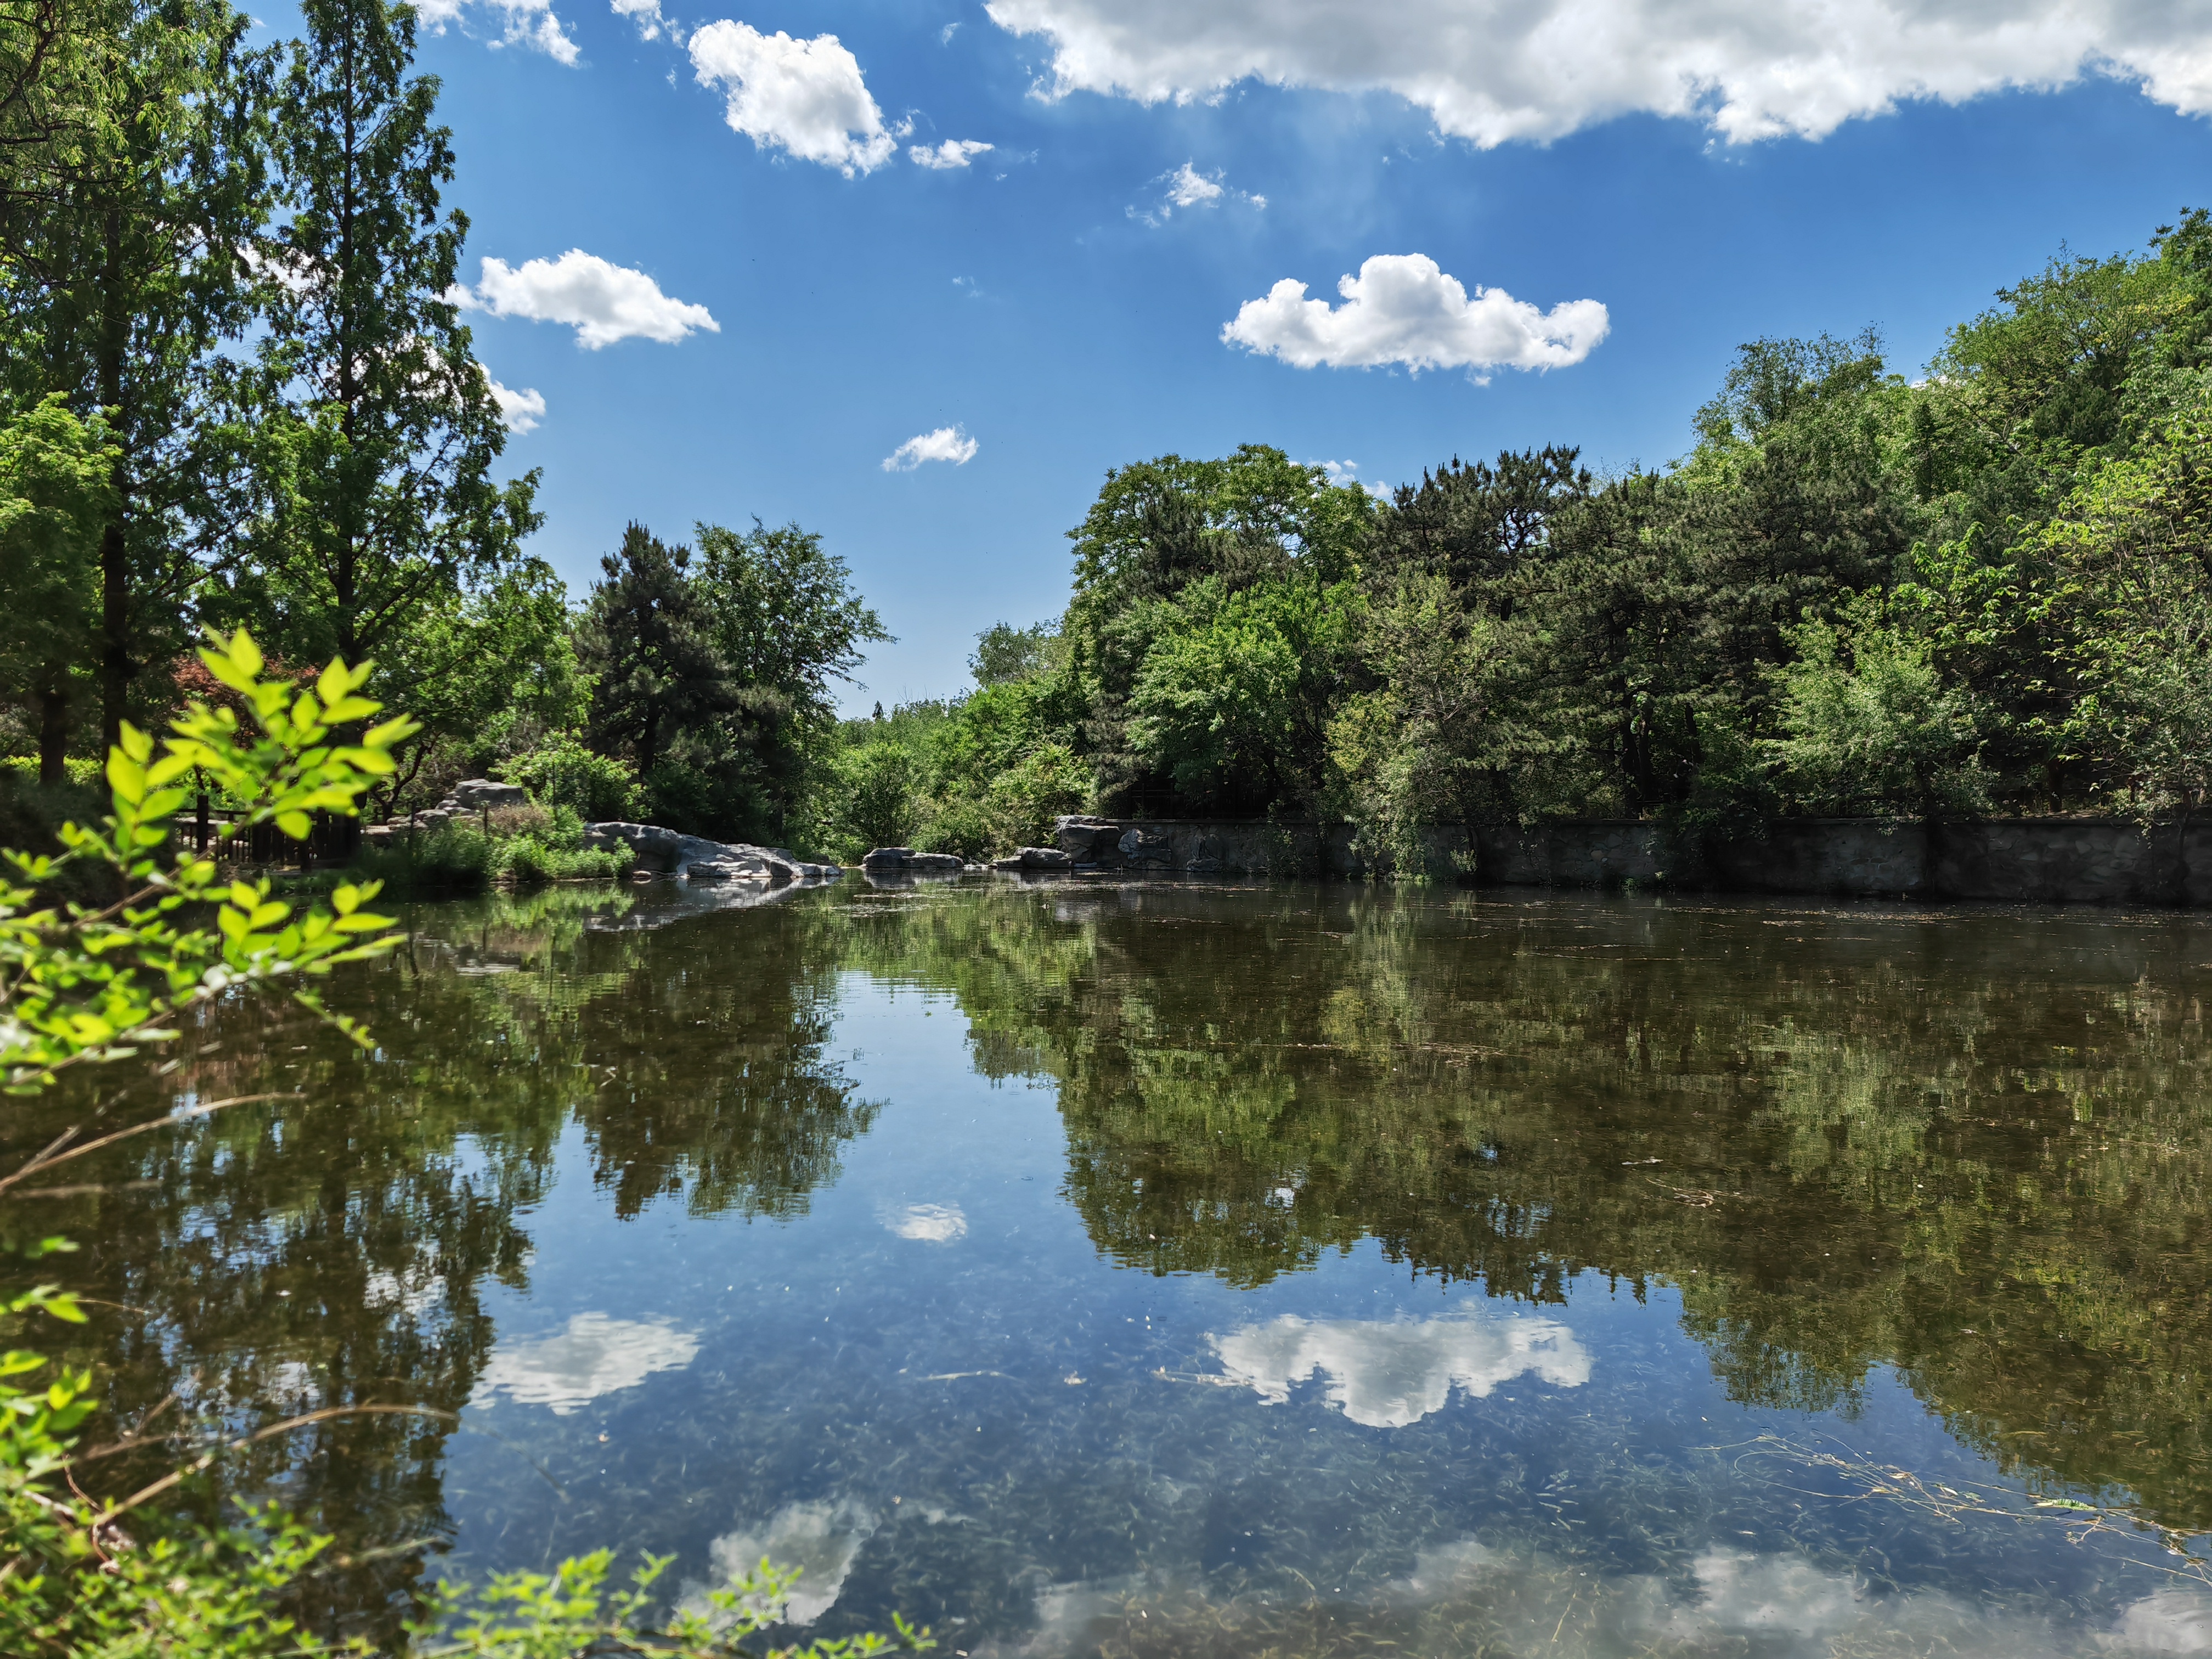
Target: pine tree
{"type": "Point", "coordinates": [643, 638]}
{"type": "Point", "coordinates": [385, 429]}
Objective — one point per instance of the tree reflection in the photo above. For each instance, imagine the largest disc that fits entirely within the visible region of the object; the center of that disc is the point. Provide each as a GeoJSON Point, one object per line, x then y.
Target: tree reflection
{"type": "Point", "coordinates": [1853, 1139]}
{"type": "Point", "coordinates": [334, 1248]}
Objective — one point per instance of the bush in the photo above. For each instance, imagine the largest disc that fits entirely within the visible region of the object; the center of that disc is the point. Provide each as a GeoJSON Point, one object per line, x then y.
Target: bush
{"type": "Point", "coordinates": [1879, 733]}
{"type": "Point", "coordinates": [961, 826]}
{"type": "Point", "coordinates": [561, 772]}
{"type": "Point", "coordinates": [872, 798]}
{"type": "Point", "coordinates": [447, 861]}
{"type": "Point", "coordinates": [537, 861]}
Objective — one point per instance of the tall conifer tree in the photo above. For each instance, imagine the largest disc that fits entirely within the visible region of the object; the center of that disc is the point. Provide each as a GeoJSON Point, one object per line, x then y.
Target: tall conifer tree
{"type": "Point", "coordinates": [387, 429]}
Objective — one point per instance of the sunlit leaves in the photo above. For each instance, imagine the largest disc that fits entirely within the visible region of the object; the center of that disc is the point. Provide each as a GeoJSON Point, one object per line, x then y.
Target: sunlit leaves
{"type": "Point", "coordinates": [78, 984]}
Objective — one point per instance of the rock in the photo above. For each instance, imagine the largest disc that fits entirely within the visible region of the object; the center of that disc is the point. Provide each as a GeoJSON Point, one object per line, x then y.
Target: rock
{"type": "Point", "coordinates": [1042, 858]}
{"type": "Point", "coordinates": [694, 858]}
{"type": "Point", "coordinates": [482, 795]}
{"type": "Point", "coordinates": [905, 861]}
{"type": "Point", "coordinates": [1013, 863]}
{"type": "Point", "coordinates": [1080, 836]}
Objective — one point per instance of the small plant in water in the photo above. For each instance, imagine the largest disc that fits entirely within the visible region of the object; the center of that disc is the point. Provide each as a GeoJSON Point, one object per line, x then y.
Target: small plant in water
{"type": "Point", "coordinates": [83, 1577]}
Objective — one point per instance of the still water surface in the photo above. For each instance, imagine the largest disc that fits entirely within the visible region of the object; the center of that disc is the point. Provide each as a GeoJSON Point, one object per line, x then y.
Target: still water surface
{"type": "Point", "coordinates": [1172, 1269]}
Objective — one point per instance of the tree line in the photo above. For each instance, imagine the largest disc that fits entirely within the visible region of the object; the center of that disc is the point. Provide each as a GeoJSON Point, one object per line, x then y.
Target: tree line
{"type": "Point", "coordinates": [235, 389]}
{"type": "Point", "coordinates": [1985, 590]}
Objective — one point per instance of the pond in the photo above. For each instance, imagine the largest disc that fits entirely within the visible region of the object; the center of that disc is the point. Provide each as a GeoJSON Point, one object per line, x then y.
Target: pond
{"type": "Point", "coordinates": [1171, 1268]}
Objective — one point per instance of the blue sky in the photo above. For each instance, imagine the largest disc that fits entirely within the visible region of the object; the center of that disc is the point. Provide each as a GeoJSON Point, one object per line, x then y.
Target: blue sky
{"type": "Point", "coordinates": [1705, 187]}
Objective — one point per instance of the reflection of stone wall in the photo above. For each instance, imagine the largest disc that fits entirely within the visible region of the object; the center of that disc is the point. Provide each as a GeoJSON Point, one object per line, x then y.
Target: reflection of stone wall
{"type": "Point", "coordinates": [2055, 860]}
{"type": "Point", "coordinates": [1248, 848]}
{"type": "Point", "coordinates": [2046, 860]}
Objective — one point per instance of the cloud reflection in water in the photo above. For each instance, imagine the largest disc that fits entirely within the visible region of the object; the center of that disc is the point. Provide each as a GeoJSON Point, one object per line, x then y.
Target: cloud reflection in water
{"type": "Point", "coordinates": [597, 1354]}
{"type": "Point", "coordinates": [1388, 1373]}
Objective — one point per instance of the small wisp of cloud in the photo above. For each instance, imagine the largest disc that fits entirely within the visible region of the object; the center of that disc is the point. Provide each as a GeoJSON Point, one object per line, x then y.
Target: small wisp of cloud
{"type": "Point", "coordinates": [946, 443]}
{"type": "Point", "coordinates": [951, 153]}
{"type": "Point", "coordinates": [1187, 188]}
{"type": "Point", "coordinates": [519, 410]}
{"type": "Point", "coordinates": [652, 22]}
{"type": "Point", "coordinates": [529, 24]}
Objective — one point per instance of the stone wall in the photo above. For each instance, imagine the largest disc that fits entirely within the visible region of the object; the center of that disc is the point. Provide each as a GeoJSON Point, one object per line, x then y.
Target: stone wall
{"type": "Point", "coordinates": [2042, 861]}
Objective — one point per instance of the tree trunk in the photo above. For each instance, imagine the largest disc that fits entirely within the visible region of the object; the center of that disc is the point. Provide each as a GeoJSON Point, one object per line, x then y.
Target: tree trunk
{"type": "Point", "coordinates": [114, 634]}
{"type": "Point", "coordinates": [54, 725]}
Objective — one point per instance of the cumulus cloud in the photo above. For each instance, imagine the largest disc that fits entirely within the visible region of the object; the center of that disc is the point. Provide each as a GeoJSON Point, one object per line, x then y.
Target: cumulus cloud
{"type": "Point", "coordinates": [952, 152]}
{"type": "Point", "coordinates": [602, 302]}
{"type": "Point", "coordinates": [1403, 308]}
{"type": "Point", "coordinates": [521, 410]}
{"type": "Point", "coordinates": [597, 1354]}
{"type": "Point", "coordinates": [1496, 71]}
{"type": "Point", "coordinates": [1387, 1373]}
{"type": "Point", "coordinates": [529, 24]}
{"type": "Point", "coordinates": [805, 97]}
{"type": "Point", "coordinates": [947, 443]}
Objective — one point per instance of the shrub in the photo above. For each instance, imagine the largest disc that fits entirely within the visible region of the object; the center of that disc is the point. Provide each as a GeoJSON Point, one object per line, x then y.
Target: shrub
{"type": "Point", "coordinates": [451, 859]}
{"type": "Point", "coordinates": [561, 772]}
{"type": "Point", "coordinates": [872, 797]}
{"type": "Point", "coordinates": [1879, 731]}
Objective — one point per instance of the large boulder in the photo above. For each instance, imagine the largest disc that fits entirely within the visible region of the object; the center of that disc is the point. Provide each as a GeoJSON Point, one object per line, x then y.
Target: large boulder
{"type": "Point", "coordinates": [694, 858]}
{"type": "Point", "coordinates": [1043, 858]}
{"type": "Point", "coordinates": [1083, 838]}
{"type": "Point", "coordinates": [1138, 849]}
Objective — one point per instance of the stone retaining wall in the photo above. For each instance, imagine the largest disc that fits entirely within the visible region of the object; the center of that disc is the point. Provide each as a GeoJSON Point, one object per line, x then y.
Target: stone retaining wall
{"type": "Point", "coordinates": [2042, 861]}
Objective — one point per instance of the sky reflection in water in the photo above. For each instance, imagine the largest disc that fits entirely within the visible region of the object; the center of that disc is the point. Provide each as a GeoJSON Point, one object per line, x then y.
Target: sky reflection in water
{"type": "Point", "coordinates": [1199, 1271]}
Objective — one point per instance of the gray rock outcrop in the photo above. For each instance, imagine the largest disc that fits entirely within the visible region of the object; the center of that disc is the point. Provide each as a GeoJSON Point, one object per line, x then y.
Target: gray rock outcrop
{"type": "Point", "coordinates": [469, 799]}
{"type": "Point", "coordinates": [905, 861]}
{"type": "Point", "coordinates": [694, 858]}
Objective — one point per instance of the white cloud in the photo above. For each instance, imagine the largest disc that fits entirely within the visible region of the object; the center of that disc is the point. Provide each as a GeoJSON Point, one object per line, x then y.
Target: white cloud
{"type": "Point", "coordinates": [1403, 308]}
{"type": "Point", "coordinates": [933, 1224]}
{"type": "Point", "coordinates": [952, 152]}
{"type": "Point", "coordinates": [647, 15]}
{"type": "Point", "coordinates": [804, 96]}
{"type": "Point", "coordinates": [596, 1355]}
{"type": "Point", "coordinates": [1188, 187]}
{"type": "Point", "coordinates": [947, 443]}
{"type": "Point", "coordinates": [529, 24]}
{"type": "Point", "coordinates": [521, 410]}
{"type": "Point", "coordinates": [1496, 71]}
{"type": "Point", "coordinates": [602, 302]}
{"type": "Point", "coordinates": [1387, 1373]}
